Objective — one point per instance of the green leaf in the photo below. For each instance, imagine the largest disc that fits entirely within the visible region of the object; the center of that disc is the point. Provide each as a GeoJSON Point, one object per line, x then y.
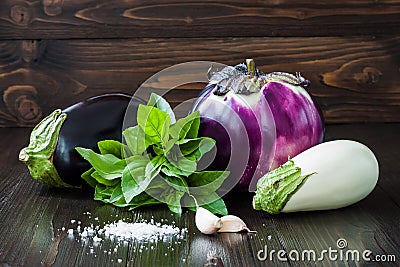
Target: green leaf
{"type": "Point", "coordinates": [107, 165]}
{"type": "Point", "coordinates": [172, 168]}
{"type": "Point", "coordinates": [133, 181]}
{"type": "Point", "coordinates": [196, 146]}
{"type": "Point", "coordinates": [160, 103]}
{"type": "Point", "coordinates": [135, 140]}
{"type": "Point", "coordinates": [110, 147]}
{"type": "Point", "coordinates": [158, 150]}
{"type": "Point", "coordinates": [166, 171]}
{"type": "Point", "coordinates": [87, 177]}
{"type": "Point", "coordinates": [154, 166]}
{"type": "Point", "coordinates": [173, 199]}
{"type": "Point", "coordinates": [155, 124]}
{"type": "Point", "coordinates": [121, 203]}
{"type": "Point", "coordinates": [170, 145]}
{"type": "Point", "coordinates": [116, 194]}
{"type": "Point", "coordinates": [187, 127]}
{"type": "Point", "coordinates": [177, 182]}
{"type": "Point", "coordinates": [143, 200]}
{"type": "Point", "coordinates": [211, 202]}
{"type": "Point", "coordinates": [167, 192]}
{"type": "Point", "coordinates": [217, 207]}
{"type": "Point", "coordinates": [206, 181]}
{"type": "Point", "coordinates": [182, 165]}
{"type": "Point", "coordinates": [103, 193]}
{"type": "Point", "coordinates": [100, 179]}
{"type": "Point", "coordinates": [175, 208]}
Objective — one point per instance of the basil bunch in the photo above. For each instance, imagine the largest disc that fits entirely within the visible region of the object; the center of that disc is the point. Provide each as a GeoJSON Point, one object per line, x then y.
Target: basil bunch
{"type": "Point", "coordinates": [157, 165]}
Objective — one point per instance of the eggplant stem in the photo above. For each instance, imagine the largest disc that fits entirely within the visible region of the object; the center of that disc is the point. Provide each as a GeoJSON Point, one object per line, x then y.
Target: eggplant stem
{"type": "Point", "coordinates": [38, 155]}
{"type": "Point", "coordinates": [251, 67]}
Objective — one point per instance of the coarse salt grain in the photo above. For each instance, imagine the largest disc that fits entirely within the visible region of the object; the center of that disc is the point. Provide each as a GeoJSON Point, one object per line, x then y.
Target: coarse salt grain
{"type": "Point", "coordinates": [147, 231]}
{"type": "Point", "coordinates": [139, 230]}
{"type": "Point", "coordinates": [97, 239]}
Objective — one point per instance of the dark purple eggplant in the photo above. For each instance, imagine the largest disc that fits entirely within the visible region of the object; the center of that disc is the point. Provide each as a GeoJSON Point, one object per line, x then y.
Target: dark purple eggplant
{"type": "Point", "coordinates": [51, 156]}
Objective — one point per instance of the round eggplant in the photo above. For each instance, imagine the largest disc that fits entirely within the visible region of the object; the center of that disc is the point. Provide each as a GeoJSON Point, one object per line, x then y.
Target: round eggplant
{"type": "Point", "coordinates": [51, 157]}
{"type": "Point", "coordinates": [258, 120]}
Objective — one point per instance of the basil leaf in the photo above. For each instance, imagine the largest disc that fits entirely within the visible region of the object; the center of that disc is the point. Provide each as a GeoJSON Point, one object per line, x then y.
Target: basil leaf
{"type": "Point", "coordinates": [211, 202]}
{"type": "Point", "coordinates": [173, 199]}
{"type": "Point", "coordinates": [153, 167]}
{"type": "Point", "coordinates": [167, 193]}
{"type": "Point", "coordinates": [100, 179]}
{"type": "Point", "coordinates": [158, 150]}
{"type": "Point", "coordinates": [160, 103]}
{"type": "Point", "coordinates": [187, 127]}
{"type": "Point", "coordinates": [121, 202]}
{"type": "Point", "coordinates": [155, 124]}
{"type": "Point", "coordinates": [166, 171]}
{"type": "Point", "coordinates": [133, 181]}
{"type": "Point", "coordinates": [87, 177]}
{"type": "Point", "coordinates": [116, 193]}
{"type": "Point", "coordinates": [177, 182]}
{"type": "Point", "coordinates": [135, 140]}
{"type": "Point", "coordinates": [176, 170]}
{"type": "Point", "coordinates": [217, 207]}
{"type": "Point", "coordinates": [183, 165]}
{"type": "Point", "coordinates": [201, 183]}
{"type": "Point", "coordinates": [142, 200]}
{"type": "Point", "coordinates": [107, 164]}
{"type": "Point", "coordinates": [175, 208]}
{"type": "Point", "coordinates": [170, 145]}
{"type": "Point", "coordinates": [102, 193]}
{"type": "Point", "coordinates": [196, 146]}
{"type": "Point", "coordinates": [110, 147]}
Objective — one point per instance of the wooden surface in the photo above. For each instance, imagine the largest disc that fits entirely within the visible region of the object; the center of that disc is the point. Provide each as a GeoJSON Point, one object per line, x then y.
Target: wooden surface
{"type": "Point", "coordinates": [54, 53]}
{"type": "Point", "coordinates": [34, 19]}
{"type": "Point", "coordinates": [32, 217]}
{"type": "Point", "coordinates": [354, 79]}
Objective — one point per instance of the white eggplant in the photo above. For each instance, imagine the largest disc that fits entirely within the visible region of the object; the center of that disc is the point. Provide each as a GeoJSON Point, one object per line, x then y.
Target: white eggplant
{"type": "Point", "coordinates": [330, 175]}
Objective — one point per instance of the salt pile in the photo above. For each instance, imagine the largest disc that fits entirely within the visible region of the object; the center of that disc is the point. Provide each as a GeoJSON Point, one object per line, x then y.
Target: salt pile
{"type": "Point", "coordinates": [139, 230]}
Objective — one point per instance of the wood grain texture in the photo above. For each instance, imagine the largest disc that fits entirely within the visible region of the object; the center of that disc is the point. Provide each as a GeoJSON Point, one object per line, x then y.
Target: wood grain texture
{"type": "Point", "coordinates": [354, 79]}
{"type": "Point", "coordinates": [60, 19]}
{"type": "Point", "coordinates": [32, 217]}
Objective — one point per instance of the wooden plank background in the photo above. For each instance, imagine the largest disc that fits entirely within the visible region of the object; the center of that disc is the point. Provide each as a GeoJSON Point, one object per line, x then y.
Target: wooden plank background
{"type": "Point", "coordinates": [54, 53]}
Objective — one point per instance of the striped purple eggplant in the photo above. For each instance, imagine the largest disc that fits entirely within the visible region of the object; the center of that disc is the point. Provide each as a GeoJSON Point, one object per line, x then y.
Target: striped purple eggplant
{"type": "Point", "coordinates": [258, 120]}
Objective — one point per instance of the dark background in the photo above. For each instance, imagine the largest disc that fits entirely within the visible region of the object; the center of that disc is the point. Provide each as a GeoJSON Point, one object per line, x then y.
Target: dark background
{"type": "Point", "coordinates": [56, 52]}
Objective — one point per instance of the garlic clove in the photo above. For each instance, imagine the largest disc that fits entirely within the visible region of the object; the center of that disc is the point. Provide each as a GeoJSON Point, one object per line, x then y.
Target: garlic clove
{"type": "Point", "coordinates": [233, 224]}
{"type": "Point", "coordinates": [206, 222]}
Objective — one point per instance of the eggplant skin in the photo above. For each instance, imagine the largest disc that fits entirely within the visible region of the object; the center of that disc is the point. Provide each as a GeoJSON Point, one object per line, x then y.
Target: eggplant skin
{"type": "Point", "coordinates": [297, 121]}
{"type": "Point", "coordinates": [88, 122]}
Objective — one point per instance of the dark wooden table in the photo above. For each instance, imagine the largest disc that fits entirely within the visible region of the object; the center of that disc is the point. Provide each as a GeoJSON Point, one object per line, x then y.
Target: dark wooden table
{"type": "Point", "coordinates": [32, 217]}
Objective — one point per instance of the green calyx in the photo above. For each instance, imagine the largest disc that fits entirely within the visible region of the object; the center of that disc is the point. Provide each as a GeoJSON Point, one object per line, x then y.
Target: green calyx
{"type": "Point", "coordinates": [275, 188]}
{"type": "Point", "coordinates": [38, 155]}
